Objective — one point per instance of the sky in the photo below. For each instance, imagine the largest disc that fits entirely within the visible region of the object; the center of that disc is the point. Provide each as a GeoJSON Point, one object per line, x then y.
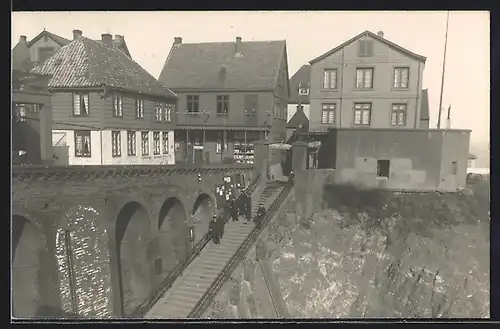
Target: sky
{"type": "Point", "coordinates": [149, 37]}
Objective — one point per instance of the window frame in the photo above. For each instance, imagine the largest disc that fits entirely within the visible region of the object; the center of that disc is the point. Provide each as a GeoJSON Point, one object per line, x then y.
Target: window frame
{"type": "Point", "coordinates": [394, 73]}
{"type": "Point", "coordinates": [131, 143]}
{"type": "Point", "coordinates": [324, 109]}
{"type": "Point", "coordinates": [156, 143]}
{"type": "Point", "coordinates": [398, 111]}
{"type": "Point", "coordinates": [222, 101]}
{"type": "Point", "coordinates": [81, 97]}
{"type": "Point", "coordinates": [221, 144]}
{"type": "Point", "coordinates": [116, 143]}
{"type": "Point", "coordinates": [117, 106]}
{"type": "Point", "coordinates": [83, 133]}
{"type": "Point", "coordinates": [362, 110]}
{"type": "Point", "coordinates": [145, 133]}
{"type": "Point", "coordinates": [329, 72]}
{"type": "Point", "coordinates": [139, 108]}
{"type": "Point", "coordinates": [167, 112]}
{"type": "Point", "coordinates": [191, 101]}
{"type": "Point", "coordinates": [302, 93]}
{"type": "Point", "coordinates": [363, 75]}
{"type": "Point", "coordinates": [165, 142]}
{"type": "Point", "coordinates": [366, 42]}
{"type": "Point", "coordinates": [381, 174]}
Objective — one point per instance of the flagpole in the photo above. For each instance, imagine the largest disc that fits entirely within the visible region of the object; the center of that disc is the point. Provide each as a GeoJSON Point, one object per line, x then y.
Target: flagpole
{"type": "Point", "coordinates": [442, 75]}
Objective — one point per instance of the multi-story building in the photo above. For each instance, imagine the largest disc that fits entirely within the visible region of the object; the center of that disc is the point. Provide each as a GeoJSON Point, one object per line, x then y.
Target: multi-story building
{"type": "Point", "coordinates": [26, 53]}
{"type": "Point", "coordinates": [368, 81]}
{"type": "Point", "coordinates": [230, 95]}
{"type": "Point", "coordinates": [106, 108]}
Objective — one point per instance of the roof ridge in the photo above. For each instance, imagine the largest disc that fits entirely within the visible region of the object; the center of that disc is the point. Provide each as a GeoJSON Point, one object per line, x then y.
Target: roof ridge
{"type": "Point", "coordinates": [216, 42]}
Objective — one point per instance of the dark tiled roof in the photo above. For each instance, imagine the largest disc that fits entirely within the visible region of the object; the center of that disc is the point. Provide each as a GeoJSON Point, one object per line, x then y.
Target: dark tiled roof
{"type": "Point", "coordinates": [298, 119]}
{"type": "Point", "coordinates": [374, 36]}
{"type": "Point", "coordinates": [301, 78]}
{"type": "Point", "coordinates": [201, 66]}
{"type": "Point", "coordinates": [21, 59]}
{"type": "Point", "coordinates": [57, 38]}
{"type": "Point", "coordinates": [424, 108]}
{"type": "Point", "coordinates": [119, 44]}
{"type": "Point", "coordinates": [86, 63]}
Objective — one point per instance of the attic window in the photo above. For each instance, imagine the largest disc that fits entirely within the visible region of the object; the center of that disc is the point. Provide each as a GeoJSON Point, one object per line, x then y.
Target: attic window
{"type": "Point", "coordinates": [365, 48]}
{"type": "Point", "coordinates": [303, 91]}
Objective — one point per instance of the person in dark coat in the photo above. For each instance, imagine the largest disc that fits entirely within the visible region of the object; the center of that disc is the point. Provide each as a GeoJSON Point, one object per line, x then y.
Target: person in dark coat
{"type": "Point", "coordinates": [261, 212]}
{"type": "Point", "coordinates": [240, 204]}
{"type": "Point", "coordinates": [233, 210]}
{"type": "Point", "coordinates": [291, 177]}
{"type": "Point", "coordinates": [248, 207]}
{"type": "Point", "coordinates": [221, 222]}
{"type": "Point", "coordinates": [213, 229]}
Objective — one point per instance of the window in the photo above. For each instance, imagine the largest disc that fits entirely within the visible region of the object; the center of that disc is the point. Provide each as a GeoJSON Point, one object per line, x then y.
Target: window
{"type": "Point", "coordinates": [303, 91]}
{"type": "Point", "coordinates": [131, 142]}
{"type": "Point", "coordinates": [221, 144]}
{"type": "Point", "coordinates": [398, 115]}
{"type": "Point", "coordinates": [364, 78]}
{"type": "Point", "coordinates": [168, 112]}
{"type": "Point", "coordinates": [365, 48]}
{"type": "Point", "coordinates": [116, 144]}
{"type": "Point", "coordinates": [117, 105]}
{"type": "Point", "coordinates": [330, 79]}
{"type": "Point", "coordinates": [165, 142]}
{"type": "Point", "coordinates": [145, 142]}
{"type": "Point", "coordinates": [362, 113]}
{"type": "Point", "coordinates": [401, 75]}
{"type": "Point", "coordinates": [251, 104]}
{"type": "Point", "coordinates": [156, 143]}
{"type": "Point", "coordinates": [223, 105]}
{"type": "Point", "coordinates": [328, 114]}
{"type": "Point", "coordinates": [159, 112]}
{"type": "Point", "coordinates": [383, 168]}
{"type": "Point", "coordinates": [81, 104]}
{"type": "Point", "coordinates": [193, 104]}
{"type": "Point", "coordinates": [139, 108]}
{"type": "Point", "coordinates": [82, 143]}
{"type": "Point", "coordinates": [20, 112]}
{"type": "Point", "coordinates": [45, 53]}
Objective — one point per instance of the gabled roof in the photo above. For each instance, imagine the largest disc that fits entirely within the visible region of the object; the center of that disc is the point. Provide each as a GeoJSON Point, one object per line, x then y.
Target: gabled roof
{"type": "Point", "coordinates": [301, 79]}
{"type": "Point", "coordinates": [57, 38]}
{"type": "Point", "coordinates": [424, 108]}
{"type": "Point", "coordinates": [21, 59]}
{"type": "Point", "coordinates": [298, 119]}
{"type": "Point", "coordinates": [215, 66]}
{"type": "Point", "coordinates": [85, 63]}
{"type": "Point", "coordinates": [376, 37]}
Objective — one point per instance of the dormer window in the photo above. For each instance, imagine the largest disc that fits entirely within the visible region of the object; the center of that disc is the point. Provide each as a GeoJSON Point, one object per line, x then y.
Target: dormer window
{"type": "Point", "coordinates": [303, 91]}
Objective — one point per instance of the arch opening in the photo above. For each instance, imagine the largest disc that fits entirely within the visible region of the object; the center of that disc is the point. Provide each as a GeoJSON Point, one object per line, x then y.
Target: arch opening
{"type": "Point", "coordinates": [28, 250]}
{"type": "Point", "coordinates": [83, 259]}
{"type": "Point", "coordinates": [132, 239]}
{"type": "Point", "coordinates": [203, 209]}
{"type": "Point", "coordinates": [173, 237]}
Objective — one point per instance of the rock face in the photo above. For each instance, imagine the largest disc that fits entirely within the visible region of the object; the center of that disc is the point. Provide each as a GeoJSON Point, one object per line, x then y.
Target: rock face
{"type": "Point", "coordinates": [390, 255]}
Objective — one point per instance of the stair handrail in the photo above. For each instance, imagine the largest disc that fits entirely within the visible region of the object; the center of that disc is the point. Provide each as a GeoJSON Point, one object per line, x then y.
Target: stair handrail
{"type": "Point", "coordinates": [166, 283]}
{"type": "Point", "coordinates": [240, 254]}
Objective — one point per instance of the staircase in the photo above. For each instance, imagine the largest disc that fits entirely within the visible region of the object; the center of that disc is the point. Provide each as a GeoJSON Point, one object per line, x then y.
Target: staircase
{"type": "Point", "coordinates": [189, 288]}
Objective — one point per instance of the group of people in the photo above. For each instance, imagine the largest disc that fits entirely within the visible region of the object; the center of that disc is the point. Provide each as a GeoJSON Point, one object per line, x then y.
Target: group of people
{"type": "Point", "coordinates": [234, 209]}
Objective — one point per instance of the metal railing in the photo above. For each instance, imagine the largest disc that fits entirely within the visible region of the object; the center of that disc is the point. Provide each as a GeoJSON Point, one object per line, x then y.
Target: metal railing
{"type": "Point", "coordinates": [233, 262]}
{"type": "Point", "coordinates": [166, 283]}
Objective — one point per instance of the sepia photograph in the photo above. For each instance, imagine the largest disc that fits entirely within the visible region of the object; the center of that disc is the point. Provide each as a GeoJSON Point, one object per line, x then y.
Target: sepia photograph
{"type": "Point", "coordinates": [172, 165]}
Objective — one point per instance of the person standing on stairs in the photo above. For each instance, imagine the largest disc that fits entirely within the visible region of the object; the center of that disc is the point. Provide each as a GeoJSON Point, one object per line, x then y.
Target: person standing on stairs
{"type": "Point", "coordinates": [261, 212]}
{"type": "Point", "coordinates": [233, 211]}
{"type": "Point", "coordinates": [240, 204]}
{"type": "Point", "coordinates": [248, 207]}
{"type": "Point", "coordinates": [212, 228]}
{"type": "Point", "coordinates": [221, 221]}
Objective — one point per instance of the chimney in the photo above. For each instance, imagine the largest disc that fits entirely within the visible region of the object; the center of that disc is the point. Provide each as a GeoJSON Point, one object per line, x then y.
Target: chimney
{"type": "Point", "coordinates": [177, 40]}
{"type": "Point", "coordinates": [107, 39]}
{"type": "Point", "coordinates": [77, 34]}
{"type": "Point", "coordinates": [380, 34]}
{"type": "Point", "coordinates": [22, 39]}
{"type": "Point", "coordinates": [119, 38]}
{"type": "Point", "coordinates": [238, 45]}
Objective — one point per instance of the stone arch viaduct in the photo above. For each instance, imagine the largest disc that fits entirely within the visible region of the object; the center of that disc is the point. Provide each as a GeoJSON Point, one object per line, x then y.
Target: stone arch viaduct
{"type": "Point", "coordinates": [95, 241]}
